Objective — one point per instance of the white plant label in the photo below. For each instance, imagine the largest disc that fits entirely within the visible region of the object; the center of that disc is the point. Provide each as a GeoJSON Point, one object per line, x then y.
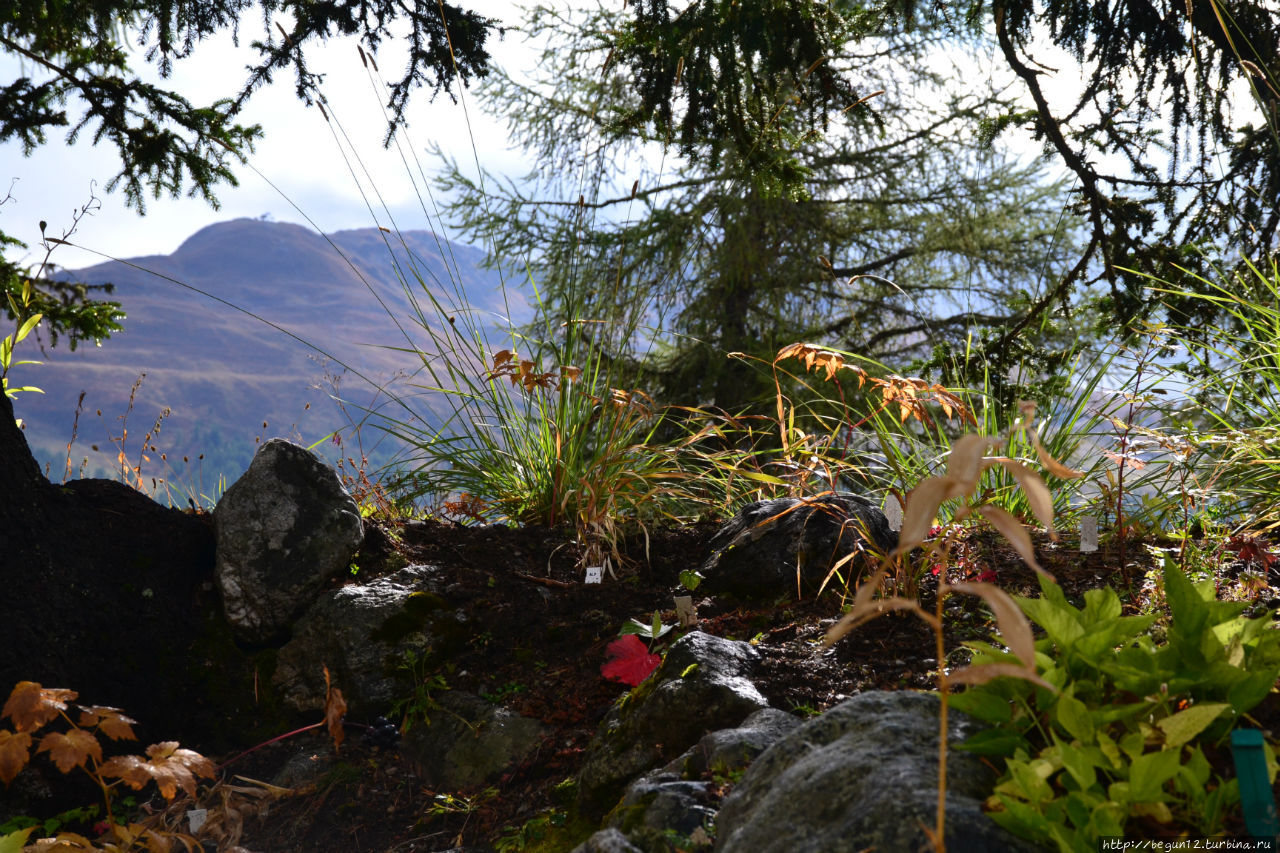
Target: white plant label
{"type": "Point", "coordinates": [685, 611]}
{"type": "Point", "coordinates": [1088, 534]}
{"type": "Point", "coordinates": [594, 574]}
{"type": "Point", "coordinates": [893, 512]}
{"type": "Point", "coordinates": [196, 819]}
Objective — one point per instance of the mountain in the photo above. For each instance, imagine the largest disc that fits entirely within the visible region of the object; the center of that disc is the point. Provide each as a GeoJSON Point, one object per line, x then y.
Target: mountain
{"type": "Point", "coordinates": [198, 336]}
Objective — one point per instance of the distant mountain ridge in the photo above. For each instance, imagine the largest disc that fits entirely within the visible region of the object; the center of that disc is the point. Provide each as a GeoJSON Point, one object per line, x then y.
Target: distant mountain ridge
{"type": "Point", "coordinates": [222, 372]}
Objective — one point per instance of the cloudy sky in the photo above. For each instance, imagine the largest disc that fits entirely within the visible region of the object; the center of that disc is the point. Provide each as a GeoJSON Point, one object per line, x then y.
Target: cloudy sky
{"type": "Point", "coordinates": [298, 155]}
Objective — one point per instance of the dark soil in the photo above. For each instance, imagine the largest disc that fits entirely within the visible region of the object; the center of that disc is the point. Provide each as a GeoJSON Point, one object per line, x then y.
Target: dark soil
{"type": "Point", "coordinates": [539, 650]}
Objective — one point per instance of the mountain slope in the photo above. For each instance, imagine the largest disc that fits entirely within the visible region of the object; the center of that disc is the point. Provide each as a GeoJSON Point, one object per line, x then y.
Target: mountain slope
{"type": "Point", "coordinates": [222, 372]}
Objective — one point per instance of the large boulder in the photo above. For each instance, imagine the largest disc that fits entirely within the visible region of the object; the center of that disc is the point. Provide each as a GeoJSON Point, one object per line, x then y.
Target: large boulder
{"type": "Point", "coordinates": [283, 531]}
{"type": "Point", "coordinates": [729, 751]}
{"type": "Point", "coordinates": [863, 776]}
{"type": "Point", "coordinates": [702, 686]}
{"type": "Point", "coordinates": [368, 636]}
{"type": "Point", "coordinates": [466, 741]}
{"type": "Point", "coordinates": [757, 553]}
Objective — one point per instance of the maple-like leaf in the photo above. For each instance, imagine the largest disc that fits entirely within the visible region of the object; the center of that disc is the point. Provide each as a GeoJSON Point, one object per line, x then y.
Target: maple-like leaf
{"type": "Point", "coordinates": [131, 769]}
{"type": "Point", "coordinates": [15, 751]}
{"type": "Point", "coordinates": [70, 749]}
{"type": "Point", "coordinates": [170, 767]}
{"type": "Point", "coordinates": [30, 706]}
{"type": "Point", "coordinates": [629, 660]}
{"type": "Point", "coordinates": [110, 721]}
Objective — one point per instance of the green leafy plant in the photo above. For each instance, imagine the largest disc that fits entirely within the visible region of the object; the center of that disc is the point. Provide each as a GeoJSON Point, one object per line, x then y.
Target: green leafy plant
{"type": "Point", "coordinates": [26, 322]}
{"type": "Point", "coordinates": [418, 706]}
{"type": "Point", "coordinates": [538, 440]}
{"type": "Point", "coordinates": [1121, 736]}
{"type": "Point", "coordinates": [965, 466]}
{"type": "Point", "coordinates": [532, 831]}
{"type": "Point", "coordinates": [1234, 368]}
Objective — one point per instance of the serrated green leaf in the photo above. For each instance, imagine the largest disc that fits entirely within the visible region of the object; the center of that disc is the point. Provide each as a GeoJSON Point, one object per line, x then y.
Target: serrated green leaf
{"type": "Point", "coordinates": [15, 841]}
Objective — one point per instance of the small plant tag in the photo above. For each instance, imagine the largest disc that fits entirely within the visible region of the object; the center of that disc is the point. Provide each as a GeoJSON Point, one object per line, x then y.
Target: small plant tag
{"type": "Point", "coordinates": [686, 613]}
{"type": "Point", "coordinates": [893, 512]}
{"type": "Point", "coordinates": [594, 574]}
{"type": "Point", "coordinates": [1088, 534]}
{"type": "Point", "coordinates": [196, 819]}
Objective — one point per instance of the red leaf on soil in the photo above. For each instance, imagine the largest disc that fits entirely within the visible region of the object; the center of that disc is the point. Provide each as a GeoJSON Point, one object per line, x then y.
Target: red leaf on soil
{"type": "Point", "coordinates": [629, 660]}
{"type": "Point", "coordinates": [1251, 549]}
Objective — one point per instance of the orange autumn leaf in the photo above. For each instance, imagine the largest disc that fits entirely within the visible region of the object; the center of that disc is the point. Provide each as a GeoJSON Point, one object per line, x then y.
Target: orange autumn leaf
{"type": "Point", "coordinates": [30, 706]}
{"type": "Point", "coordinates": [335, 707]}
{"type": "Point", "coordinates": [130, 769]}
{"type": "Point", "coordinates": [70, 749]}
{"type": "Point", "coordinates": [110, 721]}
{"type": "Point", "coordinates": [15, 751]}
{"type": "Point", "coordinates": [168, 766]}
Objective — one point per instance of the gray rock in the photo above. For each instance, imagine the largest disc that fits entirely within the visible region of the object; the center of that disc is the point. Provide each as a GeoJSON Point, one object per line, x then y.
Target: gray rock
{"type": "Point", "coordinates": [730, 750]}
{"type": "Point", "coordinates": [661, 802]}
{"type": "Point", "coordinates": [607, 841]}
{"type": "Point", "coordinates": [283, 530]}
{"type": "Point", "coordinates": [363, 634]}
{"type": "Point", "coordinates": [862, 776]}
{"type": "Point", "coordinates": [701, 686]}
{"type": "Point", "coordinates": [756, 553]}
{"type": "Point", "coordinates": [468, 741]}
{"type": "Point", "coordinates": [305, 768]}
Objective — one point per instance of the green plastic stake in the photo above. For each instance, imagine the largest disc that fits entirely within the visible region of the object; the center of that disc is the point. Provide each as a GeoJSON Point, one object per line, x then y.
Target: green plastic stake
{"type": "Point", "coordinates": [1255, 792]}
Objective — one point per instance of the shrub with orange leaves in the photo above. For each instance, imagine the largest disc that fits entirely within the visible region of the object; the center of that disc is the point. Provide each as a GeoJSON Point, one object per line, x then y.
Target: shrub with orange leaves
{"type": "Point", "coordinates": [31, 707]}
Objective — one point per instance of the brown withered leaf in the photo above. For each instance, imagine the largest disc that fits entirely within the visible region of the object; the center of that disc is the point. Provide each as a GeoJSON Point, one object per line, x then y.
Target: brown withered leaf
{"type": "Point", "coordinates": [1036, 491]}
{"type": "Point", "coordinates": [335, 707]}
{"type": "Point", "coordinates": [860, 613]}
{"type": "Point", "coordinates": [1015, 630]}
{"type": "Point", "coordinates": [1125, 459]}
{"type": "Point", "coordinates": [30, 706]}
{"type": "Point", "coordinates": [110, 721]}
{"type": "Point", "coordinates": [1053, 466]}
{"type": "Point", "coordinates": [922, 506]}
{"type": "Point", "coordinates": [64, 842]}
{"type": "Point", "coordinates": [15, 751]}
{"type": "Point", "coordinates": [967, 461]}
{"type": "Point", "coordinates": [984, 672]}
{"type": "Point", "coordinates": [1017, 535]}
{"type": "Point", "coordinates": [70, 749]}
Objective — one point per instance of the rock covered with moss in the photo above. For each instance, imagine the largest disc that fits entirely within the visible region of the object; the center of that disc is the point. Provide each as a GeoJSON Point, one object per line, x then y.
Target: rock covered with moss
{"type": "Point", "coordinates": [760, 551]}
